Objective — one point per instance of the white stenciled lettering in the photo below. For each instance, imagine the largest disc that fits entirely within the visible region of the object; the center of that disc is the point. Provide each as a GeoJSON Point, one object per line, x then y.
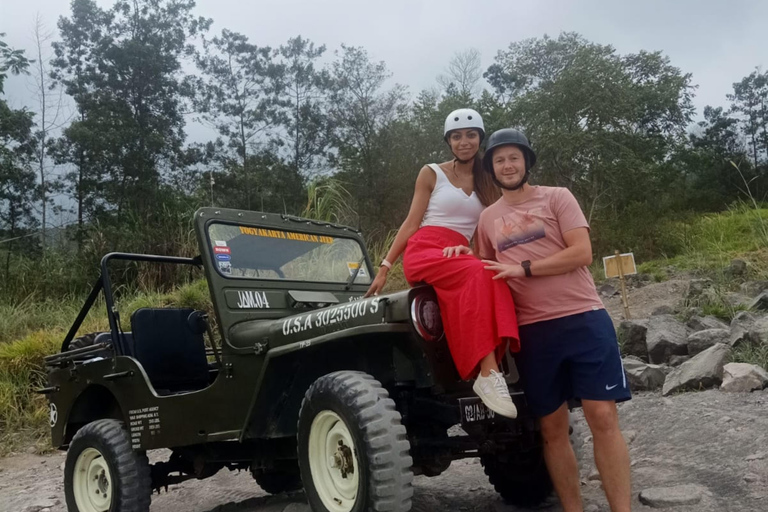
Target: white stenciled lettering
{"type": "Point", "coordinates": [331, 316]}
{"type": "Point", "coordinates": [249, 299]}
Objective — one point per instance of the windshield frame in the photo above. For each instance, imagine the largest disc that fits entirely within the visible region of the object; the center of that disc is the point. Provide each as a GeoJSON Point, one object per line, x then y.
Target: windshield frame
{"type": "Point", "coordinates": [210, 244]}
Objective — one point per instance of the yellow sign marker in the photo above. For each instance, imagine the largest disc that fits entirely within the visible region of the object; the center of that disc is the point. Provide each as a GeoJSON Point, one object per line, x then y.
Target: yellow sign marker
{"type": "Point", "coordinates": [610, 264]}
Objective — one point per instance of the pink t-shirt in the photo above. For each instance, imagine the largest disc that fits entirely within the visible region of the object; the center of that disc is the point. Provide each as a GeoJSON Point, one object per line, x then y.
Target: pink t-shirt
{"type": "Point", "coordinates": [533, 230]}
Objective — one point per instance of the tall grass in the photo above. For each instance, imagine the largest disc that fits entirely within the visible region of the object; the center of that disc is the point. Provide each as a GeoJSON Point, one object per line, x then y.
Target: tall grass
{"type": "Point", "coordinates": [34, 331]}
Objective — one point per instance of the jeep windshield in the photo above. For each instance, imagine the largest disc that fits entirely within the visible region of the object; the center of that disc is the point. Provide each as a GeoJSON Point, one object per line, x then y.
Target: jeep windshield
{"type": "Point", "coordinates": [260, 253]}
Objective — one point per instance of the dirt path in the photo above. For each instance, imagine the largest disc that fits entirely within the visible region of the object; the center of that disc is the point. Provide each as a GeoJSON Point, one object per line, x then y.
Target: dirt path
{"type": "Point", "coordinates": [712, 439]}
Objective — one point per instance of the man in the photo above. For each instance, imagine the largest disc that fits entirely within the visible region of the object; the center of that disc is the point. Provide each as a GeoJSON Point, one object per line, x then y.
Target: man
{"type": "Point", "coordinates": [537, 239]}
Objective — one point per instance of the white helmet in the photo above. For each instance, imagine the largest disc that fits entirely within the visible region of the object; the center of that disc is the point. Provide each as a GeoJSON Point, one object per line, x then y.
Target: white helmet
{"type": "Point", "coordinates": [461, 119]}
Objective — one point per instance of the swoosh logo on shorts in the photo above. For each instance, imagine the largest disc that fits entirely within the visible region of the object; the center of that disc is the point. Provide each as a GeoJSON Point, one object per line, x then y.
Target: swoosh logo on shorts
{"type": "Point", "coordinates": [608, 388]}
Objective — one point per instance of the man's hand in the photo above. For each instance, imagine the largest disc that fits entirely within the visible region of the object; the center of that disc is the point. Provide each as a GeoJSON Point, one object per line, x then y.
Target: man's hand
{"type": "Point", "coordinates": [450, 252]}
{"type": "Point", "coordinates": [378, 282]}
{"type": "Point", "coordinates": [504, 271]}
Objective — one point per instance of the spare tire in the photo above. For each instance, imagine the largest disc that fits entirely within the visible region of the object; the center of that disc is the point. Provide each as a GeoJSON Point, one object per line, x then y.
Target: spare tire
{"type": "Point", "coordinates": [86, 340]}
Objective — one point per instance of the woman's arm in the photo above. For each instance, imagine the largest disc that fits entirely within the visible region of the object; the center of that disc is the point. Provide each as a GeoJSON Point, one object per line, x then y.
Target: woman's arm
{"type": "Point", "coordinates": [425, 184]}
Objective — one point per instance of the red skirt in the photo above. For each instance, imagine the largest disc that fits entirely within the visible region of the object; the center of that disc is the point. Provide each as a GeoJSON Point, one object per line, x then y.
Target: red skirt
{"type": "Point", "coordinates": [478, 313]}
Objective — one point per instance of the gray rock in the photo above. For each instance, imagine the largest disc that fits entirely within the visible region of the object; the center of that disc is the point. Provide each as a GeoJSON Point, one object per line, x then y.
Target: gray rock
{"type": "Point", "coordinates": [675, 361]}
{"type": "Point", "coordinates": [702, 340]}
{"type": "Point", "coordinates": [666, 337]}
{"type": "Point", "coordinates": [703, 371]}
{"type": "Point", "coordinates": [698, 323]}
{"type": "Point", "coordinates": [639, 280]}
{"type": "Point", "coordinates": [607, 290]}
{"type": "Point", "coordinates": [756, 456]}
{"type": "Point", "coordinates": [297, 507]}
{"type": "Point", "coordinates": [665, 497]}
{"type": "Point", "coordinates": [696, 288]}
{"type": "Point", "coordinates": [642, 376]}
{"type": "Point", "coordinates": [736, 268]}
{"type": "Point", "coordinates": [594, 475]}
{"type": "Point", "coordinates": [663, 310]}
{"type": "Point", "coordinates": [760, 303]}
{"type": "Point", "coordinates": [629, 436]}
{"type": "Point", "coordinates": [743, 329]}
{"type": "Point", "coordinates": [40, 506]}
{"type": "Point", "coordinates": [753, 288]}
{"type": "Point", "coordinates": [751, 478]}
{"type": "Point", "coordinates": [743, 377]}
{"type": "Point", "coordinates": [633, 335]}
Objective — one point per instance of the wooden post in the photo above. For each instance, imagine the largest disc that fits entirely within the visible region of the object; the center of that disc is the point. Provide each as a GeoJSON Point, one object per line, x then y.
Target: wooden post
{"type": "Point", "coordinates": [624, 300]}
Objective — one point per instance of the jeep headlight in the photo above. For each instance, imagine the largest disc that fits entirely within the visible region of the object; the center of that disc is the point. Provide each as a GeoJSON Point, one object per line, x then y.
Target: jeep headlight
{"type": "Point", "coordinates": [425, 315]}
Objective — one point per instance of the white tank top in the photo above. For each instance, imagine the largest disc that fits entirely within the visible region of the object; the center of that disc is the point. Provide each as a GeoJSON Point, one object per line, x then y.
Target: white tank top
{"type": "Point", "coordinates": [450, 207]}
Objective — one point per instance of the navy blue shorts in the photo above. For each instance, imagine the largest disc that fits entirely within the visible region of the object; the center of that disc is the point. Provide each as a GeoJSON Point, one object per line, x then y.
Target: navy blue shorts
{"type": "Point", "coordinates": [576, 356]}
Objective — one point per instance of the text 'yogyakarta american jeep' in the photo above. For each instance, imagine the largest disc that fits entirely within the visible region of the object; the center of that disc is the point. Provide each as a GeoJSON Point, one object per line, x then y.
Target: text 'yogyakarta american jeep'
{"type": "Point", "coordinates": [307, 383]}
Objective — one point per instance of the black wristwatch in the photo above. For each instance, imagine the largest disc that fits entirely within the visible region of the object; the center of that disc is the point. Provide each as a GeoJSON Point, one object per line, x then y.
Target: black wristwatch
{"type": "Point", "coordinates": [527, 267]}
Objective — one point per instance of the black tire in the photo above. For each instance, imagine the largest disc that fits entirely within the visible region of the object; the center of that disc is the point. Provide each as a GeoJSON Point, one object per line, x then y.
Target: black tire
{"type": "Point", "coordinates": [86, 340]}
{"type": "Point", "coordinates": [520, 479]}
{"type": "Point", "coordinates": [381, 451]}
{"type": "Point", "coordinates": [130, 489]}
{"type": "Point", "coordinates": [277, 481]}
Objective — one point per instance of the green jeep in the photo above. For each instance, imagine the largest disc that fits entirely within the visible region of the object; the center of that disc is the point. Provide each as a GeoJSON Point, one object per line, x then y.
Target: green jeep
{"type": "Point", "coordinates": [307, 383]}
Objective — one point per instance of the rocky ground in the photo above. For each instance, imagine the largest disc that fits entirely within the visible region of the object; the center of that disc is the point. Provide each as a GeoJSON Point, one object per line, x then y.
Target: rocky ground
{"type": "Point", "coordinates": [711, 445]}
{"type": "Point", "coordinates": [702, 451]}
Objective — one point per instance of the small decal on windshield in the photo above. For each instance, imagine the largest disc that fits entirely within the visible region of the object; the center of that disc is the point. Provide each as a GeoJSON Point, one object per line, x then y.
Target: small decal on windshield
{"type": "Point", "coordinates": [221, 250]}
{"type": "Point", "coordinates": [220, 243]}
{"type": "Point", "coordinates": [223, 257]}
{"type": "Point", "coordinates": [225, 267]}
{"type": "Point", "coordinates": [352, 266]}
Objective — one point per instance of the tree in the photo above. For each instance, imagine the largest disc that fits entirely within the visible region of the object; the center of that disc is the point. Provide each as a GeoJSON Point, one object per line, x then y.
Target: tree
{"type": "Point", "coordinates": [363, 115]}
{"type": "Point", "coordinates": [235, 97]}
{"type": "Point", "coordinates": [51, 117]}
{"type": "Point", "coordinates": [750, 102]}
{"type": "Point", "coordinates": [301, 94]}
{"type": "Point", "coordinates": [602, 124]}
{"type": "Point", "coordinates": [123, 69]}
{"type": "Point", "coordinates": [464, 72]}
{"type": "Point", "coordinates": [17, 179]}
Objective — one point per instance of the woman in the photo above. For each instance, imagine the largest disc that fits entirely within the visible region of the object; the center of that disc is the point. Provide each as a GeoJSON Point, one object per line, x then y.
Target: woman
{"type": "Point", "coordinates": [478, 312]}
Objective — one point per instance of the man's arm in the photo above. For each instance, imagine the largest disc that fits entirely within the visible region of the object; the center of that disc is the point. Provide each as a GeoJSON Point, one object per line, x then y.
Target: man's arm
{"type": "Point", "coordinates": [578, 253]}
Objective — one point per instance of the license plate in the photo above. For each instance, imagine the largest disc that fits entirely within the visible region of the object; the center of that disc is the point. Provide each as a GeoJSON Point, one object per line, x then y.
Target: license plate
{"type": "Point", "coordinates": [473, 410]}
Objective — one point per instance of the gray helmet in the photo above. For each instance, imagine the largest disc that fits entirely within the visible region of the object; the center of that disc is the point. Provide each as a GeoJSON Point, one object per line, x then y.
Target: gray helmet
{"type": "Point", "coordinates": [504, 137]}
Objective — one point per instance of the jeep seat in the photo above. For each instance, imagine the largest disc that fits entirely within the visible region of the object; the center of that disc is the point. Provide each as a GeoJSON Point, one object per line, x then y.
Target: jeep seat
{"type": "Point", "coordinates": [172, 354]}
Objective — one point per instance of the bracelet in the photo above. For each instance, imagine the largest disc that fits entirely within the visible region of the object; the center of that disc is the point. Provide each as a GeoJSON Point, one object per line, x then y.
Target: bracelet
{"type": "Point", "coordinates": [385, 263]}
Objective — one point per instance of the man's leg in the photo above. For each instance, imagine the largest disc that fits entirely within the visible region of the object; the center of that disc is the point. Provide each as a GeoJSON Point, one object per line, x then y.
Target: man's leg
{"type": "Point", "coordinates": [611, 455]}
{"type": "Point", "coordinates": [561, 461]}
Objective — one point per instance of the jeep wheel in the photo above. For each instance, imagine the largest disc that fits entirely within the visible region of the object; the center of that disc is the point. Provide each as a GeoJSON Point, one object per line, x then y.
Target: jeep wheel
{"type": "Point", "coordinates": [277, 481]}
{"type": "Point", "coordinates": [353, 450]}
{"type": "Point", "coordinates": [102, 473]}
{"type": "Point", "coordinates": [522, 479]}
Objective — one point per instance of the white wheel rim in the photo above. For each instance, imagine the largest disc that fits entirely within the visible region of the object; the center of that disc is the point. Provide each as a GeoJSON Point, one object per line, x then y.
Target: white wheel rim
{"type": "Point", "coordinates": [331, 451]}
{"type": "Point", "coordinates": [92, 482]}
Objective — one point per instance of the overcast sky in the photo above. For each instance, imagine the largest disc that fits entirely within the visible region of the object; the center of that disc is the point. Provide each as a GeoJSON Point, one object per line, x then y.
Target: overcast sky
{"type": "Point", "coordinates": [718, 42]}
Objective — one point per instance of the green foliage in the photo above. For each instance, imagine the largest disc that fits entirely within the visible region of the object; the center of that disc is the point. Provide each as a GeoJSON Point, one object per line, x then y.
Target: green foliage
{"type": "Point", "coordinates": [752, 353]}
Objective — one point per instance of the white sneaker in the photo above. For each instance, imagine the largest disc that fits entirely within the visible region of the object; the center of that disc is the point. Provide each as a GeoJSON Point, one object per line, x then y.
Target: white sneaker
{"type": "Point", "coordinates": [494, 393]}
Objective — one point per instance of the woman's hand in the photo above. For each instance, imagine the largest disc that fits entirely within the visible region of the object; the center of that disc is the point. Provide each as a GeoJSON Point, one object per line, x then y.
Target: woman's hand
{"type": "Point", "coordinates": [450, 252]}
{"type": "Point", "coordinates": [504, 271]}
{"type": "Point", "coordinates": [378, 282]}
